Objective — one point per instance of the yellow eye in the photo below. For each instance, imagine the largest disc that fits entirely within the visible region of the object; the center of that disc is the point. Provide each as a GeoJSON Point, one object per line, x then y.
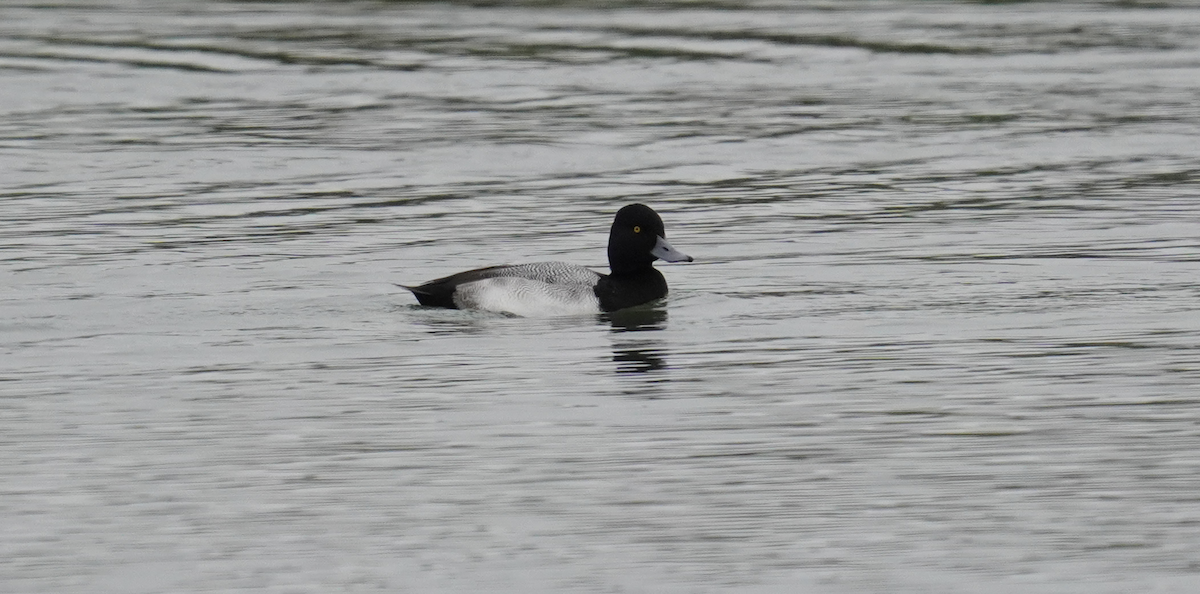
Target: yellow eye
{"type": "Point", "coordinates": [637, 229]}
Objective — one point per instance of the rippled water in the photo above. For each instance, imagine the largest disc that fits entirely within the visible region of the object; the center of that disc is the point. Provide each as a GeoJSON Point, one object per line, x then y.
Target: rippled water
{"type": "Point", "coordinates": [942, 333]}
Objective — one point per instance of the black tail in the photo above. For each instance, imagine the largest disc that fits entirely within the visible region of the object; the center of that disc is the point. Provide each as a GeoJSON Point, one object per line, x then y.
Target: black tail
{"type": "Point", "coordinates": [433, 294]}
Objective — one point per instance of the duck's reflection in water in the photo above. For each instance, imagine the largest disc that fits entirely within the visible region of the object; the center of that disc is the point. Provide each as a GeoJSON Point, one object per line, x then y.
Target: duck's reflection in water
{"type": "Point", "coordinates": [643, 352]}
{"type": "Point", "coordinates": [639, 360]}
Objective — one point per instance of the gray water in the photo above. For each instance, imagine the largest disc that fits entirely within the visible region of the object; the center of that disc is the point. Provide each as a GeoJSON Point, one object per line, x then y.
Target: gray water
{"type": "Point", "coordinates": [942, 333]}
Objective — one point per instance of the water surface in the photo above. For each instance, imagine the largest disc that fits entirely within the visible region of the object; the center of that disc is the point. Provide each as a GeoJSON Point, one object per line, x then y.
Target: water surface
{"type": "Point", "coordinates": [942, 333]}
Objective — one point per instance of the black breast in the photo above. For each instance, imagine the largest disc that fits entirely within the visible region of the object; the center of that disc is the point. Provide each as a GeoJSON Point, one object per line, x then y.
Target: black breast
{"type": "Point", "coordinates": [618, 291]}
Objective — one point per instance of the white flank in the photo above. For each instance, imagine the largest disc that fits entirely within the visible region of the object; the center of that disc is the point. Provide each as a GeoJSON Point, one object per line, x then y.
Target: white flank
{"type": "Point", "coordinates": [526, 297]}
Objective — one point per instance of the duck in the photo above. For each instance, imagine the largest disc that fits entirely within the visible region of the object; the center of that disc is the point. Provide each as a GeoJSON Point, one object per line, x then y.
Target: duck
{"type": "Point", "coordinates": [636, 240]}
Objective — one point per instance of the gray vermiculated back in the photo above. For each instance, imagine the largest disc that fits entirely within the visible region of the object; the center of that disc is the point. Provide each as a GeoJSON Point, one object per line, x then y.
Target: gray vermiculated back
{"type": "Point", "coordinates": [555, 273]}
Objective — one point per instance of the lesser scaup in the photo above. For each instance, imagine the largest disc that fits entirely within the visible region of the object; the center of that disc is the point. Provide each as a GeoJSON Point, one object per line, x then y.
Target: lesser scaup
{"type": "Point", "coordinates": [637, 239]}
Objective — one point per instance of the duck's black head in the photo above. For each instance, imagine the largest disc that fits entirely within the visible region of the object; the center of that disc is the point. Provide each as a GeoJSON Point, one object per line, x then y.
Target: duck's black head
{"type": "Point", "coordinates": [638, 239]}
